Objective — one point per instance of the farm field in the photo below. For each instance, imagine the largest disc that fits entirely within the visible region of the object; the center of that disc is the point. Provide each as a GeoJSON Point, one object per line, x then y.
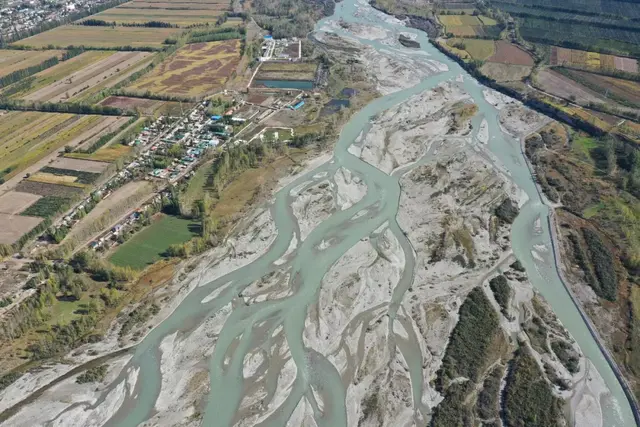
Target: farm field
{"type": "Point", "coordinates": [107, 126]}
{"type": "Point", "coordinates": [175, 5]}
{"type": "Point", "coordinates": [179, 17]}
{"type": "Point", "coordinates": [624, 91]}
{"type": "Point", "coordinates": [287, 71]}
{"type": "Point", "coordinates": [145, 106]}
{"type": "Point", "coordinates": [15, 60]}
{"type": "Point", "coordinates": [147, 246]}
{"type": "Point", "coordinates": [27, 137]}
{"type": "Point", "coordinates": [79, 165]}
{"type": "Point", "coordinates": [505, 72]}
{"type": "Point", "coordinates": [597, 61]}
{"type": "Point", "coordinates": [590, 37]}
{"type": "Point", "coordinates": [194, 70]}
{"type": "Point", "coordinates": [15, 226]}
{"type": "Point", "coordinates": [106, 154]}
{"type": "Point", "coordinates": [101, 37]}
{"type": "Point", "coordinates": [557, 84]}
{"type": "Point", "coordinates": [90, 80]}
{"type": "Point", "coordinates": [508, 53]}
{"type": "Point", "coordinates": [55, 74]}
{"type": "Point", "coordinates": [14, 202]}
{"type": "Point", "coordinates": [45, 189]}
{"type": "Point", "coordinates": [476, 48]}
{"type": "Point", "coordinates": [469, 25]}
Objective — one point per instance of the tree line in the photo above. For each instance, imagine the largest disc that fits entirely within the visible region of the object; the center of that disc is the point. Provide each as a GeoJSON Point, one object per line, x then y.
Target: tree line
{"type": "Point", "coordinates": [29, 71]}
{"type": "Point", "coordinates": [66, 107]}
{"type": "Point", "coordinates": [149, 24]}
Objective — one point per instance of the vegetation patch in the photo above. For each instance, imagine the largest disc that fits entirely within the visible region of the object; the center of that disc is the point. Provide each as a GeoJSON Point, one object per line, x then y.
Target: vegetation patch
{"type": "Point", "coordinates": [528, 399]}
{"type": "Point", "coordinates": [47, 207]}
{"type": "Point", "coordinates": [470, 341]}
{"type": "Point", "coordinates": [82, 177]}
{"type": "Point", "coordinates": [507, 211]}
{"type": "Point", "coordinates": [603, 264]}
{"type": "Point", "coordinates": [567, 355]}
{"type": "Point", "coordinates": [477, 48]}
{"type": "Point", "coordinates": [93, 375]}
{"type": "Point", "coordinates": [501, 292]}
{"type": "Point", "coordinates": [487, 406]}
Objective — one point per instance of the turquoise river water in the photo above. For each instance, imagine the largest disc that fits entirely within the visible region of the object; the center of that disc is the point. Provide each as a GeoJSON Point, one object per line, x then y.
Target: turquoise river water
{"type": "Point", "coordinates": [309, 265]}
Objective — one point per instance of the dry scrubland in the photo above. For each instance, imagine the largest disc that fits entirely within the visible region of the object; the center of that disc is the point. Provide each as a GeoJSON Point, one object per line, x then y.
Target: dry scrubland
{"type": "Point", "coordinates": [194, 70]}
{"type": "Point", "coordinates": [26, 137]}
{"type": "Point", "coordinates": [102, 37]}
{"type": "Point", "coordinates": [90, 79]}
{"type": "Point", "coordinates": [14, 60]}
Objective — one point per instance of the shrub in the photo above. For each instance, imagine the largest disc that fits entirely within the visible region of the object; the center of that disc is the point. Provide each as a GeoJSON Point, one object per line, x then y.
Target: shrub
{"type": "Point", "coordinates": [93, 375]}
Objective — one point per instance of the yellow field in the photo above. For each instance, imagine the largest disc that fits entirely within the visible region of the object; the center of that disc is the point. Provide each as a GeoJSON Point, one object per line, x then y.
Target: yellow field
{"type": "Point", "coordinates": [194, 70]}
{"type": "Point", "coordinates": [60, 71]}
{"type": "Point", "coordinates": [173, 16]}
{"type": "Point", "coordinates": [50, 178]}
{"type": "Point", "coordinates": [14, 60]}
{"type": "Point", "coordinates": [105, 154]}
{"type": "Point", "coordinates": [26, 137]}
{"type": "Point", "coordinates": [476, 48]}
{"type": "Point", "coordinates": [80, 35]}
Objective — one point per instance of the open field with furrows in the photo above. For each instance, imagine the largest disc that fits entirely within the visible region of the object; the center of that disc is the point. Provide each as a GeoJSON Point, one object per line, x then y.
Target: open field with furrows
{"type": "Point", "coordinates": [194, 70]}
{"type": "Point", "coordinates": [15, 226]}
{"type": "Point", "coordinates": [508, 53]}
{"type": "Point", "coordinates": [559, 85]}
{"type": "Point", "coordinates": [55, 74]}
{"type": "Point", "coordinates": [186, 5]}
{"type": "Point", "coordinates": [14, 202]}
{"type": "Point", "coordinates": [92, 78]}
{"type": "Point", "coordinates": [101, 37]}
{"type": "Point", "coordinates": [624, 91]}
{"type": "Point", "coordinates": [182, 17]}
{"type": "Point", "coordinates": [79, 165]}
{"type": "Point", "coordinates": [15, 60]}
{"type": "Point", "coordinates": [145, 106]}
{"type": "Point", "coordinates": [27, 137]}
{"type": "Point", "coordinates": [287, 71]}
{"type": "Point", "coordinates": [597, 61]}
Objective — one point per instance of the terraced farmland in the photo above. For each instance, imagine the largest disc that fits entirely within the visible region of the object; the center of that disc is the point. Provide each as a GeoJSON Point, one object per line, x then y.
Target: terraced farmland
{"type": "Point", "coordinates": [194, 70]}
{"type": "Point", "coordinates": [27, 137]}
{"type": "Point", "coordinates": [101, 37]}
{"type": "Point", "coordinates": [15, 60]}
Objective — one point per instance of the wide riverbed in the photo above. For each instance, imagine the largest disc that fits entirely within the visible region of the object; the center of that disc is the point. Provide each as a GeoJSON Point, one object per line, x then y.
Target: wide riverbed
{"type": "Point", "coordinates": [247, 325]}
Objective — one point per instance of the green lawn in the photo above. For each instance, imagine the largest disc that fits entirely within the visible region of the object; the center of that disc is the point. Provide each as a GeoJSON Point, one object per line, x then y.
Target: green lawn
{"type": "Point", "coordinates": [583, 145]}
{"type": "Point", "coordinates": [147, 246]}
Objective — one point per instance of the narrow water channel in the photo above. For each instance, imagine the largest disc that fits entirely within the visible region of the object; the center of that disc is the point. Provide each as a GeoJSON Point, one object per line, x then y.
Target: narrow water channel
{"type": "Point", "coordinates": [245, 326]}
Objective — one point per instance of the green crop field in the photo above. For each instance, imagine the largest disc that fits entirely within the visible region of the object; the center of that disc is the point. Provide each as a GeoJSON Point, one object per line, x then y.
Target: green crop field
{"type": "Point", "coordinates": [147, 246]}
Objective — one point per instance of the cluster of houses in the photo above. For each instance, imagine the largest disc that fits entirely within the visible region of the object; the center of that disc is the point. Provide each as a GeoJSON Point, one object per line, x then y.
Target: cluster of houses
{"type": "Point", "coordinates": [282, 49]}
{"type": "Point", "coordinates": [18, 17]}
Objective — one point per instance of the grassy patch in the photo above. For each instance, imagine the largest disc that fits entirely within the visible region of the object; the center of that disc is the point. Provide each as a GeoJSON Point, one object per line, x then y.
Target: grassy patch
{"type": "Point", "coordinates": [148, 246]}
{"type": "Point", "coordinates": [476, 48]}
{"type": "Point", "coordinates": [105, 154]}
{"type": "Point", "coordinates": [583, 145]}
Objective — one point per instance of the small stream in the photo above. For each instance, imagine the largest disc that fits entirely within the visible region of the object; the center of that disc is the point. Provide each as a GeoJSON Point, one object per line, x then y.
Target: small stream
{"type": "Point", "coordinates": [245, 327]}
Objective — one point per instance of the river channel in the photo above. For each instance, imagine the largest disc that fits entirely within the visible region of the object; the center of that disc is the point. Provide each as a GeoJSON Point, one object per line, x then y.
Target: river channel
{"type": "Point", "coordinates": [248, 325]}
